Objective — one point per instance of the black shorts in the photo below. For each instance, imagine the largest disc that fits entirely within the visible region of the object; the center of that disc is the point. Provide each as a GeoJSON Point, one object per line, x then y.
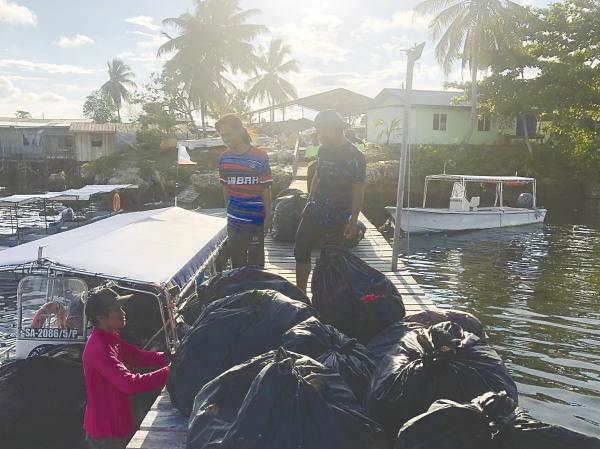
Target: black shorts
{"type": "Point", "coordinates": [246, 246]}
{"type": "Point", "coordinates": [312, 234]}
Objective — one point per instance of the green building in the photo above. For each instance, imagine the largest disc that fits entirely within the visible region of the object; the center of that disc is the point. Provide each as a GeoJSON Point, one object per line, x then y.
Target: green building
{"type": "Point", "coordinates": [436, 119]}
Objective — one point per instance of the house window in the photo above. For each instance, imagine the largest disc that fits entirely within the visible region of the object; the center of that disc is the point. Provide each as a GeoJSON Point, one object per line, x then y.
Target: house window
{"type": "Point", "coordinates": [439, 122]}
{"type": "Point", "coordinates": [96, 140]}
{"type": "Point", "coordinates": [483, 124]}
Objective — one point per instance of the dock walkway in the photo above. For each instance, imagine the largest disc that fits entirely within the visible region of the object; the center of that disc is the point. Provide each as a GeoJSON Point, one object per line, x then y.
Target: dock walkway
{"type": "Point", "coordinates": [164, 427]}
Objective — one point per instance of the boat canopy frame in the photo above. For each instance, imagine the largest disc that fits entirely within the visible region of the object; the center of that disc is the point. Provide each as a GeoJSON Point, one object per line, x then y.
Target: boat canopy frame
{"type": "Point", "coordinates": [498, 180]}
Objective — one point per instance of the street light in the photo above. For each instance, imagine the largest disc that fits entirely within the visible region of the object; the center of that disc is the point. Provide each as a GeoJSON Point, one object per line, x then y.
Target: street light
{"type": "Point", "coordinates": [413, 54]}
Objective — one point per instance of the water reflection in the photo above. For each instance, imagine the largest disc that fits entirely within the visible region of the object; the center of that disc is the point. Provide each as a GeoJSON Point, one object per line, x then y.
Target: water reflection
{"type": "Point", "coordinates": [537, 290]}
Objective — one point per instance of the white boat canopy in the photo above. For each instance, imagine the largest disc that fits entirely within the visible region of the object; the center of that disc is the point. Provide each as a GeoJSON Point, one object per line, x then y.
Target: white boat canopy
{"type": "Point", "coordinates": [82, 194]}
{"type": "Point", "coordinates": [160, 247]}
{"type": "Point", "coordinates": [471, 178]}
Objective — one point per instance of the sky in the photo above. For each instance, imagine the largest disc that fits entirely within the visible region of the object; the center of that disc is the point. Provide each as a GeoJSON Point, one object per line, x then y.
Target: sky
{"type": "Point", "coordinates": [53, 53]}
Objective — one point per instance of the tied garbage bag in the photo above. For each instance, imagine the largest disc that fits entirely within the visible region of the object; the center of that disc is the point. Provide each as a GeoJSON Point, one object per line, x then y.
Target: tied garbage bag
{"type": "Point", "coordinates": [327, 345]}
{"type": "Point", "coordinates": [386, 340]}
{"type": "Point", "coordinates": [438, 362]}
{"type": "Point", "coordinates": [489, 421]}
{"type": "Point", "coordinates": [228, 332]}
{"type": "Point", "coordinates": [235, 281]}
{"type": "Point", "coordinates": [281, 400]}
{"type": "Point", "coordinates": [287, 213]}
{"type": "Point", "coordinates": [466, 320]}
{"type": "Point", "coordinates": [42, 400]}
{"type": "Point", "coordinates": [355, 298]}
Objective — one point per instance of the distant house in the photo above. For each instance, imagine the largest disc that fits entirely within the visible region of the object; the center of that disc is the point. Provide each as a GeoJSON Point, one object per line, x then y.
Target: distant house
{"type": "Point", "coordinates": [435, 119]}
{"type": "Point", "coordinates": [78, 140]}
{"type": "Point", "coordinates": [94, 140]}
{"type": "Point", "coordinates": [35, 138]}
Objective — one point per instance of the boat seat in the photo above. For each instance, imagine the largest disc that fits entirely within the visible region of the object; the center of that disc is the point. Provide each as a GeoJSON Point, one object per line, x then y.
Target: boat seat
{"type": "Point", "coordinates": [474, 203]}
{"type": "Point", "coordinates": [458, 201]}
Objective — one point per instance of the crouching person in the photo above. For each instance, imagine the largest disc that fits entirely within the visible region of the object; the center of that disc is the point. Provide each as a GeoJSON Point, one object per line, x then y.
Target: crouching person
{"type": "Point", "coordinates": [109, 381]}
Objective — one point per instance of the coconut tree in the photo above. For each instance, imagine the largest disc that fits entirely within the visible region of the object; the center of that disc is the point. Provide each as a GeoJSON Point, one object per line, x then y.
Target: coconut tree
{"type": "Point", "coordinates": [119, 79]}
{"type": "Point", "coordinates": [213, 40]}
{"type": "Point", "coordinates": [269, 84]}
{"type": "Point", "coordinates": [471, 31]}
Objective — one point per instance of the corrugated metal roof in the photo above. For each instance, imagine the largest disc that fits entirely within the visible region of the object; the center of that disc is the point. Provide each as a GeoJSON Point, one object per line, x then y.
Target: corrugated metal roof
{"type": "Point", "coordinates": [395, 97]}
{"type": "Point", "coordinates": [6, 122]}
{"type": "Point", "coordinates": [101, 127]}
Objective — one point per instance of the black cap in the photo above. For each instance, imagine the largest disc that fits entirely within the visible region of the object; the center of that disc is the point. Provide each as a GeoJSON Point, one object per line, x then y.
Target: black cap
{"type": "Point", "coordinates": [101, 300]}
{"type": "Point", "coordinates": [330, 119]}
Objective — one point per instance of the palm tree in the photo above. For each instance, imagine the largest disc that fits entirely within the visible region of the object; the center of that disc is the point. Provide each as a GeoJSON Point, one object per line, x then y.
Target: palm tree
{"type": "Point", "coordinates": [213, 40]}
{"type": "Point", "coordinates": [472, 31]}
{"type": "Point", "coordinates": [119, 78]}
{"type": "Point", "coordinates": [269, 84]}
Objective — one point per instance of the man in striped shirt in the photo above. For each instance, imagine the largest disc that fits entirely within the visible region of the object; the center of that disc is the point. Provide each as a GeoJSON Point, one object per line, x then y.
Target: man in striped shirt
{"type": "Point", "coordinates": [246, 178]}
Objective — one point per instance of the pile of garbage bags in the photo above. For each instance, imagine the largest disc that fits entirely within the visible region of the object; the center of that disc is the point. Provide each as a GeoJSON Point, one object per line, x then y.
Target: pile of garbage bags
{"type": "Point", "coordinates": [437, 362]}
{"type": "Point", "coordinates": [230, 331]}
{"type": "Point", "coordinates": [327, 345]}
{"type": "Point", "coordinates": [234, 281]}
{"type": "Point", "coordinates": [281, 400]}
{"type": "Point", "coordinates": [489, 420]}
{"type": "Point", "coordinates": [352, 296]}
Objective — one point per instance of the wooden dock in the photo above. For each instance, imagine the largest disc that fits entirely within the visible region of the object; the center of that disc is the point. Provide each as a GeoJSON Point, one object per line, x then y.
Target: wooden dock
{"type": "Point", "coordinates": [164, 427]}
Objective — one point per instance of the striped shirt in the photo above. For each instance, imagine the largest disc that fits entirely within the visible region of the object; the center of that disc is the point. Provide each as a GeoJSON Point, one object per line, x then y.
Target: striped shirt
{"type": "Point", "coordinates": [244, 175]}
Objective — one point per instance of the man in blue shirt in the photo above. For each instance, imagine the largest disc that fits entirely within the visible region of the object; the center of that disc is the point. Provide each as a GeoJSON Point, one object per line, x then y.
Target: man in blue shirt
{"type": "Point", "coordinates": [336, 194]}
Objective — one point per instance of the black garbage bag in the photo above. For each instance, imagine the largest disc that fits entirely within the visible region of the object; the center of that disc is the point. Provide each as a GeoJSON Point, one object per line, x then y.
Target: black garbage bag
{"type": "Point", "coordinates": [438, 362]}
{"type": "Point", "coordinates": [386, 340]}
{"type": "Point", "coordinates": [42, 400]}
{"type": "Point", "coordinates": [228, 332]}
{"type": "Point", "coordinates": [235, 281]}
{"type": "Point", "coordinates": [327, 345]}
{"type": "Point", "coordinates": [352, 296]}
{"type": "Point", "coordinates": [492, 420]}
{"type": "Point", "coordinates": [466, 320]}
{"type": "Point", "coordinates": [281, 400]}
{"type": "Point", "coordinates": [287, 213]}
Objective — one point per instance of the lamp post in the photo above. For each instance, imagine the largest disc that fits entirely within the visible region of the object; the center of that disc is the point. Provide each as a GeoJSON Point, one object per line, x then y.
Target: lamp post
{"type": "Point", "coordinates": [413, 55]}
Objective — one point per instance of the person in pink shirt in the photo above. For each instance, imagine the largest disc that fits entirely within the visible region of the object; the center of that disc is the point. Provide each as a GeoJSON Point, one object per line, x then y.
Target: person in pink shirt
{"type": "Point", "coordinates": [108, 362]}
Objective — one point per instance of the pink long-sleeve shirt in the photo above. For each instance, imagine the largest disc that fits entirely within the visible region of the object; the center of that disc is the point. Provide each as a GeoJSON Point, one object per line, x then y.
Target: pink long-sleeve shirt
{"type": "Point", "coordinates": [107, 359]}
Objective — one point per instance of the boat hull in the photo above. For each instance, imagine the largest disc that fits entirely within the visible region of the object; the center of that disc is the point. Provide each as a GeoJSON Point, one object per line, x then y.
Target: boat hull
{"type": "Point", "coordinates": [417, 220]}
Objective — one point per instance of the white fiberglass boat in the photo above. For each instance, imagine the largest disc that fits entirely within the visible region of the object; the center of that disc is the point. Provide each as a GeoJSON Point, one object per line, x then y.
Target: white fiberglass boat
{"type": "Point", "coordinates": [466, 214]}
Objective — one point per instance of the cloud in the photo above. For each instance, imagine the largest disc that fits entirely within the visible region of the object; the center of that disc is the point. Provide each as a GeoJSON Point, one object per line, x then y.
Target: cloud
{"type": "Point", "coordinates": [7, 89]}
{"type": "Point", "coordinates": [14, 14]}
{"type": "Point", "coordinates": [72, 42]}
{"type": "Point", "coordinates": [313, 37]}
{"type": "Point", "coordinates": [8, 92]}
{"type": "Point", "coordinates": [404, 20]}
{"type": "Point", "coordinates": [30, 66]}
{"type": "Point", "coordinates": [144, 21]}
{"type": "Point", "coordinates": [155, 40]}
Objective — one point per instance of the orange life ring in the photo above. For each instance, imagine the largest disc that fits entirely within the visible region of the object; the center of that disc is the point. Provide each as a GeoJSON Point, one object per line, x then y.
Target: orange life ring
{"type": "Point", "coordinates": [116, 205]}
{"type": "Point", "coordinates": [50, 308]}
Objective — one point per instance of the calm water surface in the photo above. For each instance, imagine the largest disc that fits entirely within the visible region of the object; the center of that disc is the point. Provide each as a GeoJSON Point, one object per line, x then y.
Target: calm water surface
{"type": "Point", "coordinates": [537, 290]}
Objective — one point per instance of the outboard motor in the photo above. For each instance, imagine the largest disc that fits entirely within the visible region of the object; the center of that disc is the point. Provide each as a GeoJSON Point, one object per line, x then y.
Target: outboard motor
{"type": "Point", "coordinates": [525, 201]}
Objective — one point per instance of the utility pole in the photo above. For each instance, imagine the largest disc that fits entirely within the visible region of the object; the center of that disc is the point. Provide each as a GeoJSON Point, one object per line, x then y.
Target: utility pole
{"type": "Point", "coordinates": [413, 55]}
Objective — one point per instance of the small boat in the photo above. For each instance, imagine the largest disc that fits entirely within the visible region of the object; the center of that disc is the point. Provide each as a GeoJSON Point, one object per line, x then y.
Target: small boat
{"type": "Point", "coordinates": [464, 214]}
{"type": "Point", "coordinates": [157, 253]}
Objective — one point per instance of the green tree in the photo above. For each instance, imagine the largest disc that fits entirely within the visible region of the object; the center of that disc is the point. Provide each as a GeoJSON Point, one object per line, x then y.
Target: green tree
{"type": "Point", "coordinates": [120, 77]}
{"type": "Point", "coordinates": [269, 84]}
{"type": "Point", "coordinates": [22, 114]}
{"type": "Point", "coordinates": [214, 40]}
{"type": "Point", "coordinates": [236, 102]}
{"type": "Point", "coordinates": [472, 31]}
{"type": "Point", "coordinates": [99, 108]}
